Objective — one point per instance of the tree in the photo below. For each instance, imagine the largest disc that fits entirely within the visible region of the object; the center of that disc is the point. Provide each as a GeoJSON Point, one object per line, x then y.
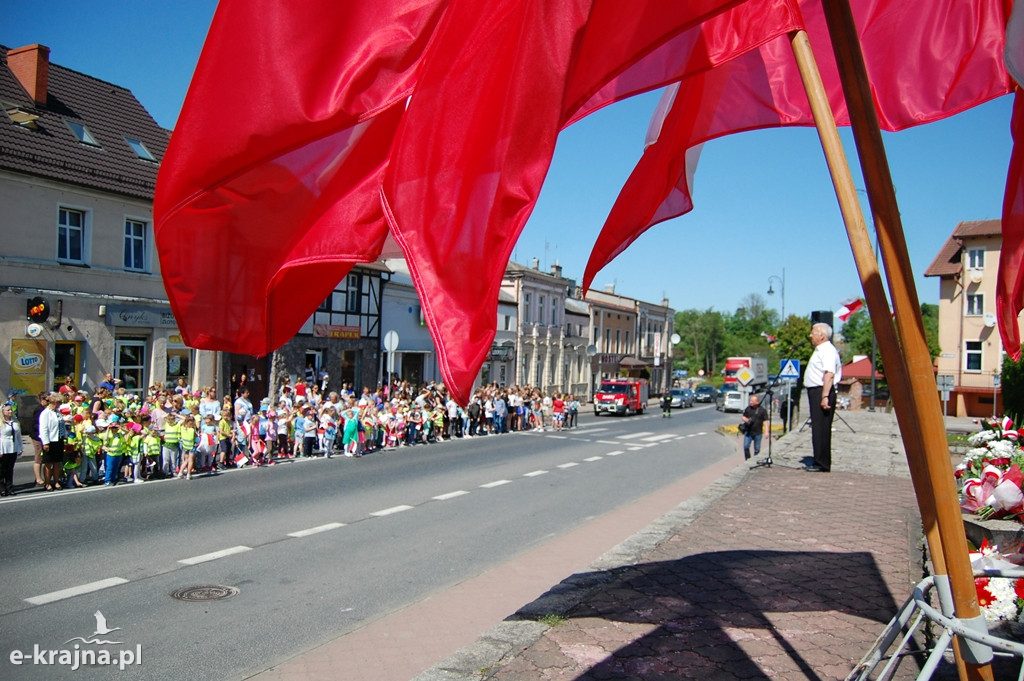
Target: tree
{"type": "Point", "coordinates": [1011, 381]}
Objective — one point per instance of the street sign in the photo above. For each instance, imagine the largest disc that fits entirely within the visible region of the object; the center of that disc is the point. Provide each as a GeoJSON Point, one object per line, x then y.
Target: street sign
{"type": "Point", "coordinates": [790, 369]}
{"type": "Point", "coordinates": [995, 380]}
{"type": "Point", "coordinates": [745, 376]}
{"type": "Point", "coordinates": [945, 382]}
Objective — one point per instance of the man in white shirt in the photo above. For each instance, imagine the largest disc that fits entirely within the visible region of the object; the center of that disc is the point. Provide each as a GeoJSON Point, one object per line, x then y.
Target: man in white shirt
{"type": "Point", "coordinates": [824, 371]}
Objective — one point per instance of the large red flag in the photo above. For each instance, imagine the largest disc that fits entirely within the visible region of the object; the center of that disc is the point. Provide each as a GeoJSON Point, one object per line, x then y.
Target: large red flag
{"type": "Point", "coordinates": [268, 191]}
{"type": "Point", "coordinates": [923, 66]}
{"type": "Point", "coordinates": [1010, 284]}
{"type": "Point", "coordinates": [478, 136]}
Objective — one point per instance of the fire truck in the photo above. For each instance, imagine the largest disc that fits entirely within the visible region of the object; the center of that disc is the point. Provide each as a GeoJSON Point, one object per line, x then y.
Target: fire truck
{"type": "Point", "coordinates": [621, 396]}
{"type": "Point", "coordinates": [757, 365]}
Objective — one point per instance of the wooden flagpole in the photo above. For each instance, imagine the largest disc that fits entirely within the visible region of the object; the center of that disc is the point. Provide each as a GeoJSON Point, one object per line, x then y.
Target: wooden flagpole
{"type": "Point", "coordinates": [871, 282]}
{"type": "Point", "coordinates": [923, 400]}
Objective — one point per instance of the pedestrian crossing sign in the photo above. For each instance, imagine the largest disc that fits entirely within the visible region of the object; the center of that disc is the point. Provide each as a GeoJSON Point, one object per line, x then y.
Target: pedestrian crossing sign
{"type": "Point", "coordinates": [790, 368]}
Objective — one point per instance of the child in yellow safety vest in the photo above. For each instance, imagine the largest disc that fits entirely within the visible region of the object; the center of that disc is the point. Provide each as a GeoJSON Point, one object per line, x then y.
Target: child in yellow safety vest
{"type": "Point", "coordinates": [92, 445]}
{"type": "Point", "coordinates": [150, 444]}
{"type": "Point", "coordinates": [189, 440]}
{"type": "Point", "coordinates": [170, 451]}
{"type": "Point", "coordinates": [134, 461]}
{"type": "Point", "coordinates": [225, 436]}
{"type": "Point", "coordinates": [114, 447]}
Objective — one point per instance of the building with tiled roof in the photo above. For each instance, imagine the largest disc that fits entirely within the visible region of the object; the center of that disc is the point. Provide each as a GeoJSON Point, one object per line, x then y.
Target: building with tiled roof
{"type": "Point", "coordinates": [78, 164]}
{"type": "Point", "coordinates": [971, 350]}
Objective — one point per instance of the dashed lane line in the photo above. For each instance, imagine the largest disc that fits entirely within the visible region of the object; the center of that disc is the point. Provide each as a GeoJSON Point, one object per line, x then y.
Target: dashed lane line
{"type": "Point", "coordinates": [206, 557]}
{"type": "Point", "coordinates": [450, 495]}
{"type": "Point", "coordinates": [76, 590]}
{"type": "Point", "coordinates": [195, 560]}
{"type": "Point", "coordinates": [316, 530]}
{"type": "Point", "coordinates": [391, 511]}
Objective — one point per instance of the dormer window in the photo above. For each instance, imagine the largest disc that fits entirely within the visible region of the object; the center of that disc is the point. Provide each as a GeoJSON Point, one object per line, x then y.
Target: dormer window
{"type": "Point", "coordinates": [140, 149]}
{"type": "Point", "coordinates": [82, 133]}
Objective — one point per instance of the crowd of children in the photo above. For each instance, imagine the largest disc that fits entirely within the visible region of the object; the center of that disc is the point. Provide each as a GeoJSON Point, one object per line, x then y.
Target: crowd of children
{"type": "Point", "coordinates": [114, 436]}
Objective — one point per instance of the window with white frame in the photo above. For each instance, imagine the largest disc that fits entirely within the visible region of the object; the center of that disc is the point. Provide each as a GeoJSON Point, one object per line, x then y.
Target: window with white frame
{"type": "Point", "coordinates": [554, 311]}
{"type": "Point", "coordinates": [354, 293]}
{"type": "Point", "coordinates": [972, 355]}
{"type": "Point", "coordinates": [135, 245]}
{"type": "Point", "coordinates": [540, 310]}
{"type": "Point", "coordinates": [975, 304]}
{"type": "Point", "coordinates": [526, 308]}
{"type": "Point", "coordinates": [70, 235]}
{"type": "Point", "coordinates": [976, 258]}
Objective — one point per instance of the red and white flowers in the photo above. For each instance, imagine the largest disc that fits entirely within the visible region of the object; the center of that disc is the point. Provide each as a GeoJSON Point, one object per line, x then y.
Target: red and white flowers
{"type": "Point", "coordinates": [990, 476]}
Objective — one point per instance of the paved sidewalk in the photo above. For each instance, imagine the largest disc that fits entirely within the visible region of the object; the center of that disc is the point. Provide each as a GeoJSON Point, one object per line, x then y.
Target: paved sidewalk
{"type": "Point", "coordinates": [770, 573]}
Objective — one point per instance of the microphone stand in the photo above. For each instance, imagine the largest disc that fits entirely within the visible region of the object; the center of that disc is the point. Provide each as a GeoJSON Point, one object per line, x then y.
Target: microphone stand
{"type": "Point", "coordinates": [767, 462]}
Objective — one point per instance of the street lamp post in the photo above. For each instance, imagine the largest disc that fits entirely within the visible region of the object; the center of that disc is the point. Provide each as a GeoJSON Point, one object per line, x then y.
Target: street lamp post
{"type": "Point", "coordinates": [782, 290]}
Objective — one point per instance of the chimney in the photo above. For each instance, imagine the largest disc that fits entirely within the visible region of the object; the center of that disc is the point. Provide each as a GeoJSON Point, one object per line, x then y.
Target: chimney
{"type": "Point", "coordinates": [609, 288]}
{"type": "Point", "coordinates": [535, 263]}
{"type": "Point", "coordinates": [556, 270]}
{"type": "Point", "coordinates": [31, 66]}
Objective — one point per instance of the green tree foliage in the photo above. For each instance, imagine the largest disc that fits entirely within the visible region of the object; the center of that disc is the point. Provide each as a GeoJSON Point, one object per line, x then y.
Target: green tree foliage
{"type": "Point", "coordinates": [1011, 381]}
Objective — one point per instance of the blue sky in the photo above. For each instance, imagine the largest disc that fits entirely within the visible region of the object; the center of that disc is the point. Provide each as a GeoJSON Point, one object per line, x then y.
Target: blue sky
{"type": "Point", "coordinates": [763, 200]}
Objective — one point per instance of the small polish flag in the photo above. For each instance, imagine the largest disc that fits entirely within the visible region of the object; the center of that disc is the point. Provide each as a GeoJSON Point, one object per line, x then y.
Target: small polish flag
{"type": "Point", "coordinates": [848, 307]}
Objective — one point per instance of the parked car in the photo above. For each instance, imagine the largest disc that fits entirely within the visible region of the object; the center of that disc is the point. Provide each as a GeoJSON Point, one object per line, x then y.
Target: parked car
{"type": "Point", "coordinates": [681, 397]}
{"type": "Point", "coordinates": [730, 400]}
{"type": "Point", "coordinates": [705, 393]}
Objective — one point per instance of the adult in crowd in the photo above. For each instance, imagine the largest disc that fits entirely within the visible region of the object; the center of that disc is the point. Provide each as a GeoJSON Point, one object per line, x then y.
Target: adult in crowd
{"type": "Point", "coordinates": [10, 448]}
{"type": "Point", "coordinates": [51, 434]}
{"type": "Point", "coordinates": [755, 418]}
{"type": "Point", "coordinates": [824, 371]}
{"type": "Point", "coordinates": [37, 445]}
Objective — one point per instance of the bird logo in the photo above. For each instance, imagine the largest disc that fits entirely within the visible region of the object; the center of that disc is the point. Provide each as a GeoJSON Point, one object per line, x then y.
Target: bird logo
{"type": "Point", "coordinates": [101, 630]}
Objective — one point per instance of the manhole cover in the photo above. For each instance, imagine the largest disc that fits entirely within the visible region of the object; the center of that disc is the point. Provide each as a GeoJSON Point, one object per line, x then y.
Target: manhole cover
{"type": "Point", "coordinates": [204, 593]}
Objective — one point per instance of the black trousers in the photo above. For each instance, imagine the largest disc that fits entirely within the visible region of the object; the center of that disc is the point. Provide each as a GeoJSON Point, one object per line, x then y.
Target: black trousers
{"type": "Point", "coordinates": [821, 426]}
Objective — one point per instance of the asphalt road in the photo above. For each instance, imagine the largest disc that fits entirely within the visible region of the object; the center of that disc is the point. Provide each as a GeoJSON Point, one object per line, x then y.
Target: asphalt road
{"type": "Point", "coordinates": [315, 548]}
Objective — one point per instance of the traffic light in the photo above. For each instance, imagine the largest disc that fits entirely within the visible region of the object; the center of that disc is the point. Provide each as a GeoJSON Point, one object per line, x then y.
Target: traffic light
{"type": "Point", "coordinates": [38, 309]}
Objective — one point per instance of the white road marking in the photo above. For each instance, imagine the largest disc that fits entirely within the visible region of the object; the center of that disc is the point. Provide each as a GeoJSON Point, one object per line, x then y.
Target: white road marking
{"type": "Point", "coordinates": [76, 590]}
{"type": "Point", "coordinates": [587, 431]}
{"type": "Point", "coordinates": [568, 465]}
{"type": "Point", "coordinates": [391, 511]}
{"type": "Point", "coordinates": [496, 483]}
{"type": "Point", "coordinates": [632, 436]}
{"type": "Point", "coordinates": [615, 453]}
{"type": "Point", "coordinates": [451, 495]}
{"type": "Point", "coordinates": [316, 530]}
{"type": "Point", "coordinates": [533, 474]}
{"type": "Point", "coordinates": [593, 458]}
{"type": "Point", "coordinates": [658, 438]}
{"type": "Point", "coordinates": [195, 560]}
{"type": "Point", "coordinates": [608, 442]}
{"type": "Point", "coordinates": [558, 437]}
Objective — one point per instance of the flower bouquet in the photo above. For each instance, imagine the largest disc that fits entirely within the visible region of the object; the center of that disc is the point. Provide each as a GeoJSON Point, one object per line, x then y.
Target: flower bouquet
{"type": "Point", "coordinates": [1001, 598]}
{"type": "Point", "coordinates": [990, 476]}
